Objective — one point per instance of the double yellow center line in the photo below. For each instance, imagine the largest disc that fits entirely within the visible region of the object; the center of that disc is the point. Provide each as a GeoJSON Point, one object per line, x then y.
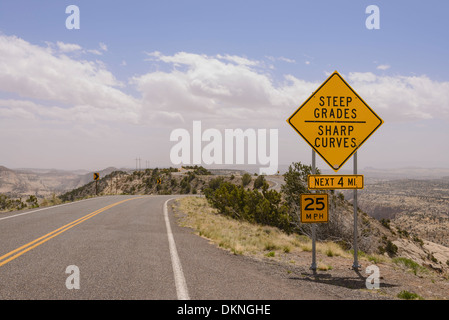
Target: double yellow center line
{"type": "Point", "coordinates": [37, 242]}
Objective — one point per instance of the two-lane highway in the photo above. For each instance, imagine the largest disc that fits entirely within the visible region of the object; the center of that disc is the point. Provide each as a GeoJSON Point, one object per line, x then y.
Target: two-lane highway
{"type": "Point", "coordinates": [125, 247]}
{"type": "Point", "coordinates": [119, 245]}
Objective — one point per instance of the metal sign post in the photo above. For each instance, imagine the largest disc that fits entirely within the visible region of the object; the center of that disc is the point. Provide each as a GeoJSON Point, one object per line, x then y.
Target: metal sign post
{"type": "Point", "coordinates": [96, 178]}
{"type": "Point", "coordinates": [313, 266]}
{"type": "Point", "coordinates": [356, 263]}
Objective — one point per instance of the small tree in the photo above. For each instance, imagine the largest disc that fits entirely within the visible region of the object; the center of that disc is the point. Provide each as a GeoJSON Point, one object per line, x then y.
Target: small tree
{"type": "Point", "coordinates": [246, 179]}
{"type": "Point", "coordinates": [295, 184]}
{"type": "Point", "coordinates": [259, 182]}
{"type": "Point", "coordinates": [32, 202]}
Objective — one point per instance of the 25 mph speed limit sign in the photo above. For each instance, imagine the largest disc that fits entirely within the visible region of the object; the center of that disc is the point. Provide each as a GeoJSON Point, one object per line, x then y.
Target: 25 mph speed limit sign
{"type": "Point", "coordinates": [314, 208]}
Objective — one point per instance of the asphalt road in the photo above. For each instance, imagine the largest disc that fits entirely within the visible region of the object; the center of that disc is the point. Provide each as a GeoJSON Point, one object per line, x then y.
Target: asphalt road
{"type": "Point", "coordinates": [124, 247]}
{"type": "Point", "coordinates": [275, 182]}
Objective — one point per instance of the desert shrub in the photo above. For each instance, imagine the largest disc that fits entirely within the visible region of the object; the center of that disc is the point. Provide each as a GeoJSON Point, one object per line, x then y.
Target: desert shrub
{"type": "Point", "coordinates": [32, 202]}
{"type": "Point", "coordinates": [404, 294]}
{"type": "Point", "coordinates": [418, 240]}
{"type": "Point", "coordinates": [410, 264]}
{"type": "Point", "coordinates": [246, 179]}
{"type": "Point", "coordinates": [259, 182]}
{"type": "Point", "coordinates": [199, 170]}
{"type": "Point", "coordinates": [7, 203]}
{"type": "Point", "coordinates": [385, 223]}
{"type": "Point", "coordinates": [295, 184]}
{"type": "Point", "coordinates": [235, 201]}
{"type": "Point", "coordinates": [391, 248]}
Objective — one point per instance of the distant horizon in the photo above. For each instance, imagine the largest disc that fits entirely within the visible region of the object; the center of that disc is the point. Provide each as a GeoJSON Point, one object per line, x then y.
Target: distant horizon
{"type": "Point", "coordinates": [253, 168]}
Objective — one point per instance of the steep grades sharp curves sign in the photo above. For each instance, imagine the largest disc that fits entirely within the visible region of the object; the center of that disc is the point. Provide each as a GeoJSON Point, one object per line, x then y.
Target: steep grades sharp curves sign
{"type": "Point", "coordinates": [335, 121]}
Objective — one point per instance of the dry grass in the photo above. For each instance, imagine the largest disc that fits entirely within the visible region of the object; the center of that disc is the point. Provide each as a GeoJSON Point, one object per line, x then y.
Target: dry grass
{"type": "Point", "coordinates": [244, 238]}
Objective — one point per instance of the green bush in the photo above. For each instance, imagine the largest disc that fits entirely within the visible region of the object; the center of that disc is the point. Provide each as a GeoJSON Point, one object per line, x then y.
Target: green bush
{"type": "Point", "coordinates": [295, 184]}
{"type": "Point", "coordinates": [246, 179]}
{"type": "Point", "coordinates": [259, 182]}
{"type": "Point", "coordinates": [6, 203]}
{"type": "Point", "coordinates": [404, 294]}
{"type": "Point", "coordinates": [199, 170]}
{"type": "Point", "coordinates": [391, 248]}
{"type": "Point", "coordinates": [32, 202]}
{"type": "Point", "coordinates": [250, 205]}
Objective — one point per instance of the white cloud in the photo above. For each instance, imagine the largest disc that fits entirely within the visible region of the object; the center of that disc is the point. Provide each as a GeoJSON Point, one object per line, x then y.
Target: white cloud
{"type": "Point", "coordinates": [241, 92]}
{"type": "Point", "coordinates": [287, 60]}
{"type": "Point", "coordinates": [362, 77]}
{"type": "Point", "coordinates": [383, 67]}
{"type": "Point", "coordinates": [284, 59]}
{"type": "Point", "coordinates": [76, 87]}
{"type": "Point", "coordinates": [103, 46]}
{"type": "Point", "coordinates": [95, 51]}
{"type": "Point", "coordinates": [68, 47]}
{"type": "Point", "coordinates": [403, 98]}
{"type": "Point", "coordinates": [238, 60]}
{"type": "Point", "coordinates": [223, 90]}
{"type": "Point", "coordinates": [62, 47]}
{"type": "Point", "coordinates": [55, 104]}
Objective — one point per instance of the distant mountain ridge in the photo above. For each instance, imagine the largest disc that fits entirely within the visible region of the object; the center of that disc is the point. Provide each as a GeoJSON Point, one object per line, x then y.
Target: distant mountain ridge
{"type": "Point", "coordinates": [44, 182]}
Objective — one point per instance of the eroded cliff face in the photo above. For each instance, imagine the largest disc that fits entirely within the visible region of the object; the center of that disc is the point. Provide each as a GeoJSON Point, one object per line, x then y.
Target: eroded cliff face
{"type": "Point", "coordinates": [421, 207]}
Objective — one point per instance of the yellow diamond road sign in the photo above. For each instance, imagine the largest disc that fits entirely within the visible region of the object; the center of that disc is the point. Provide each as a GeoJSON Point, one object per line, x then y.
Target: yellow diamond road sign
{"type": "Point", "coordinates": [335, 121]}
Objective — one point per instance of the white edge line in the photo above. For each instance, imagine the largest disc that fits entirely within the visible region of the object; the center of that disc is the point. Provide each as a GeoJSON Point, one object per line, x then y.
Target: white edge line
{"type": "Point", "coordinates": [180, 281]}
{"type": "Point", "coordinates": [46, 208]}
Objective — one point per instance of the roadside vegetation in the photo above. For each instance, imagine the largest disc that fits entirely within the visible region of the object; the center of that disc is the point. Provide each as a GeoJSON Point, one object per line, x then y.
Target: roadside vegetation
{"type": "Point", "coordinates": [244, 237]}
{"type": "Point", "coordinates": [267, 207]}
{"type": "Point", "coordinates": [8, 203]}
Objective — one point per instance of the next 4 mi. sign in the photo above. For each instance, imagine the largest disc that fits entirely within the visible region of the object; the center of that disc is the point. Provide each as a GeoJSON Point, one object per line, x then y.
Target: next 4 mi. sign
{"type": "Point", "coordinates": [335, 121]}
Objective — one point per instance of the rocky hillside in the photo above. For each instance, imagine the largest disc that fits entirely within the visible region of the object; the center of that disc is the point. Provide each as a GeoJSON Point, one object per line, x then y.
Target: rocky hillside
{"type": "Point", "coordinates": [151, 181]}
{"type": "Point", "coordinates": [419, 206]}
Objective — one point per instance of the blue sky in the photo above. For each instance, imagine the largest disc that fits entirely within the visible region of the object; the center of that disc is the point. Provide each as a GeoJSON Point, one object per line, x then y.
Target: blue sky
{"type": "Point", "coordinates": [413, 35]}
{"type": "Point", "coordinates": [277, 51]}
